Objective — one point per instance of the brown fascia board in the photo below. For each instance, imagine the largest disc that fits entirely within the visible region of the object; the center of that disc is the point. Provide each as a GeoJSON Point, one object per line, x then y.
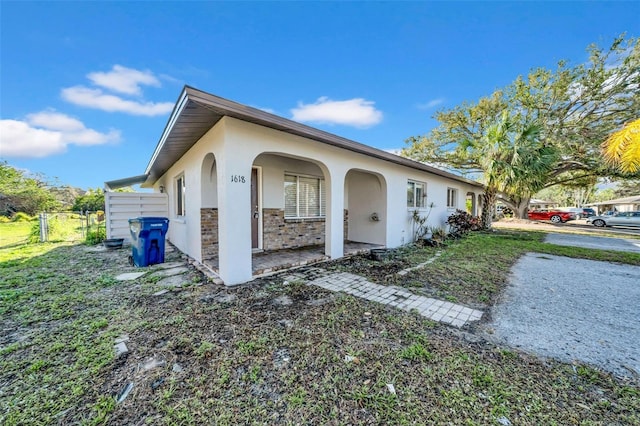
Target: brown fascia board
{"type": "Point", "coordinates": [242, 112]}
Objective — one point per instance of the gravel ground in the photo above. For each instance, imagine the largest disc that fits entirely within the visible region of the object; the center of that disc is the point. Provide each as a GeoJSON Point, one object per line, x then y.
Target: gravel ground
{"type": "Point", "coordinates": [572, 309]}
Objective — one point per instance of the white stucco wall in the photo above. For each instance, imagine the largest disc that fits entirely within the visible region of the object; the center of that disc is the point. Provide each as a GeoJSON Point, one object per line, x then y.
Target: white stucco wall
{"type": "Point", "coordinates": [184, 232]}
{"type": "Point", "coordinates": [365, 195]}
{"type": "Point", "coordinates": [238, 145]}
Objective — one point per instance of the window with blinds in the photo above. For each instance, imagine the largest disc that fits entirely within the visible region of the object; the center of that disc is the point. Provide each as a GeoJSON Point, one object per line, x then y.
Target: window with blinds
{"type": "Point", "coordinates": [304, 196]}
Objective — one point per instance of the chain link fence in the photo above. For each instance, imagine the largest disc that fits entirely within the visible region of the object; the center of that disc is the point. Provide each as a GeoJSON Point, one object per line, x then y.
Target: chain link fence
{"type": "Point", "coordinates": [69, 226]}
{"type": "Point", "coordinates": [73, 227]}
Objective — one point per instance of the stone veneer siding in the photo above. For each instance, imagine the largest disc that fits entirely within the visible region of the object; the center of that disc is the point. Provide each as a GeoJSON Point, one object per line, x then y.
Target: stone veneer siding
{"type": "Point", "coordinates": [209, 232]}
{"type": "Point", "coordinates": [279, 233]}
{"type": "Point", "coordinates": [346, 225]}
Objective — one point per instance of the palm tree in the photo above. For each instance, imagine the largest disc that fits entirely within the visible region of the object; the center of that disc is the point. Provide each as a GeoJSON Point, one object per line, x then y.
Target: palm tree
{"type": "Point", "coordinates": [622, 148]}
{"type": "Point", "coordinates": [515, 162]}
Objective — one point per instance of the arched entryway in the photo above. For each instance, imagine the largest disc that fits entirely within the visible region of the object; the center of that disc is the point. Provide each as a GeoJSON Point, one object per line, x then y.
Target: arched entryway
{"type": "Point", "coordinates": [209, 211]}
{"type": "Point", "coordinates": [470, 204]}
{"type": "Point", "coordinates": [289, 208]}
{"type": "Point", "coordinates": [365, 205]}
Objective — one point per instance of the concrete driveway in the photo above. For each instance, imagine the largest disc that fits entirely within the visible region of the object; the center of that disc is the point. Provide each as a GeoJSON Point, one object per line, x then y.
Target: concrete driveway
{"type": "Point", "coordinates": [573, 309]}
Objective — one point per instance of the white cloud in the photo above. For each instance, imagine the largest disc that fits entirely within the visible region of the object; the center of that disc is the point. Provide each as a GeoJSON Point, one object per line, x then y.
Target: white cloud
{"type": "Point", "coordinates": [124, 80]}
{"type": "Point", "coordinates": [47, 133]}
{"type": "Point", "coordinates": [356, 112]}
{"type": "Point", "coordinates": [431, 104]}
{"type": "Point", "coordinates": [21, 140]}
{"type": "Point", "coordinates": [97, 99]}
{"type": "Point", "coordinates": [55, 121]}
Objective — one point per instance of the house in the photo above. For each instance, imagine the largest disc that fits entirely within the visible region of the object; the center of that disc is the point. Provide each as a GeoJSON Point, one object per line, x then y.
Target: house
{"type": "Point", "coordinates": [626, 204]}
{"type": "Point", "coordinates": [240, 181]}
{"type": "Point", "coordinates": [536, 204]}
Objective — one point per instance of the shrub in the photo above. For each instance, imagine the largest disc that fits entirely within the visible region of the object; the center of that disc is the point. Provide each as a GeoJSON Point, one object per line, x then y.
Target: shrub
{"type": "Point", "coordinates": [34, 233]}
{"type": "Point", "coordinates": [22, 217]}
{"type": "Point", "coordinates": [462, 222]}
{"type": "Point", "coordinates": [96, 235]}
{"type": "Point", "coordinates": [4, 219]}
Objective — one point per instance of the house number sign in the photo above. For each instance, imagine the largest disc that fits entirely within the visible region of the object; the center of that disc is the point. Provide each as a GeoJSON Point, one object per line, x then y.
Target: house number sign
{"type": "Point", "coordinates": [238, 179]}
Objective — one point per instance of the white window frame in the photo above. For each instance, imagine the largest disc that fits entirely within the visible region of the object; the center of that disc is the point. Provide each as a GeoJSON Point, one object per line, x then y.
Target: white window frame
{"type": "Point", "coordinates": [321, 196]}
{"type": "Point", "coordinates": [452, 198]}
{"type": "Point", "coordinates": [416, 204]}
{"type": "Point", "coordinates": [180, 185]}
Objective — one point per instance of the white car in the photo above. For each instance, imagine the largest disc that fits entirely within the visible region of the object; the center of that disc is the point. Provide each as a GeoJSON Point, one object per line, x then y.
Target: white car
{"type": "Point", "coordinates": [616, 219]}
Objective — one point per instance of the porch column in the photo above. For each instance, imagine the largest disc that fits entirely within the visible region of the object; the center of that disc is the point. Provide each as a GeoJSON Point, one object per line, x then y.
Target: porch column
{"type": "Point", "coordinates": [334, 225]}
{"type": "Point", "coordinates": [234, 207]}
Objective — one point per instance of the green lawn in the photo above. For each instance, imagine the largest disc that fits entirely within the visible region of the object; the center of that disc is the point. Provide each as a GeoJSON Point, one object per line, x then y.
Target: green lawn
{"type": "Point", "coordinates": [62, 227]}
{"type": "Point", "coordinates": [243, 359]}
{"type": "Point", "coordinates": [471, 270]}
{"type": "Point", "coordinates": [14, 233]}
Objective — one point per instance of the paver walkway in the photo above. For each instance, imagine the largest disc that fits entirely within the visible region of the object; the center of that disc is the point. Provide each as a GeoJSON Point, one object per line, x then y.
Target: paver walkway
{"type": "Point", "coordinates": [356, 285]}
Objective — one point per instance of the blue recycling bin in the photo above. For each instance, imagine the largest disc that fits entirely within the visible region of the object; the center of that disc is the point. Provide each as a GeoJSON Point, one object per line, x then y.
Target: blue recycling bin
{"type": "Point", "coordinates": [147, 240]}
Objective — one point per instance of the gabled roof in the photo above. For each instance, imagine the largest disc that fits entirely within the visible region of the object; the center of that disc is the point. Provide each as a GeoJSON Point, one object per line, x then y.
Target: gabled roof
{"type": "Point", "coordinates": [196, 112]}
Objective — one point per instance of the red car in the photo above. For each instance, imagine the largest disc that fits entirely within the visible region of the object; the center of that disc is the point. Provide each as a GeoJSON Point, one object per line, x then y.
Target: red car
{"type": "Point", "coordinates": [555, 216]}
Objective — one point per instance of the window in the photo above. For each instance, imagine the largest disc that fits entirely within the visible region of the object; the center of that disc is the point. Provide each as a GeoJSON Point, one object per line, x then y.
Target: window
{"type": "Point", "coordinates": [452, 198]}
{"type": "Point", "coordinates": [304, 196]}
{"type": "Point", "coordinates": [180, 190]}
{"type": "Point", "coordinates": [416, 194]}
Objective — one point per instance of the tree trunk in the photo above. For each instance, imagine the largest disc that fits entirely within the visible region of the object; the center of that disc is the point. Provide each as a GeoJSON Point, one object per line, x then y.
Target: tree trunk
{"type": "Point", "coordinates": [488, 207]}
{"type": "Point", "coordinates": [520, 206]}
{"type": "Point", "coordinates": [522, 210]}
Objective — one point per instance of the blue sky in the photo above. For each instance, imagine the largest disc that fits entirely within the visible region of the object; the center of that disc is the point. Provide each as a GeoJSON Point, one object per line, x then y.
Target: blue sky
{"type": "Point", "coordinates": [86, 88]}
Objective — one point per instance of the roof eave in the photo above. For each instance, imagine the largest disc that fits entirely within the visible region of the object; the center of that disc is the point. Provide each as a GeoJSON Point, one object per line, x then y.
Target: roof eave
{"type": "Point", "coordinates": [121, 183]}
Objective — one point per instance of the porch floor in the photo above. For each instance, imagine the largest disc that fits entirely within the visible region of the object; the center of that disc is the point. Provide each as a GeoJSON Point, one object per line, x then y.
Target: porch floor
{"type": "Point", "coordinates": [278, 260]}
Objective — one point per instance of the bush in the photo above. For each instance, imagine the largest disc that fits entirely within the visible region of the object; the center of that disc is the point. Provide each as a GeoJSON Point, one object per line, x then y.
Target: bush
{"type": "Point", "coordinates": [462, 222]}
{"type": "Point", "coordinates": [34, 233]}
{"type": "Point", "coordinates": [4, 219]}
{"type": "Point", "coordinates": [96, 235]}
{"type": "Point", "coordinates": [22, 217]}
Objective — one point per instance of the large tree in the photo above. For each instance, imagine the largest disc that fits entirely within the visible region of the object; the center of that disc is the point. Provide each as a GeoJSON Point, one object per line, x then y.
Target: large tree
{"type": "Point", "coordinates": [576, 108]}
{"type": "Point", "coordinates": [92, 200]}
{"type": "Point", "coordinates": [20, 192]}
{"type": "Point", "coordinates": [628, 188]}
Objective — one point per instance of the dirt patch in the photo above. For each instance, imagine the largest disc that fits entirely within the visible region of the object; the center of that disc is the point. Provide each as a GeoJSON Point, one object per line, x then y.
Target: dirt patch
{"type": "Point", "coordinates": [376, 270]}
